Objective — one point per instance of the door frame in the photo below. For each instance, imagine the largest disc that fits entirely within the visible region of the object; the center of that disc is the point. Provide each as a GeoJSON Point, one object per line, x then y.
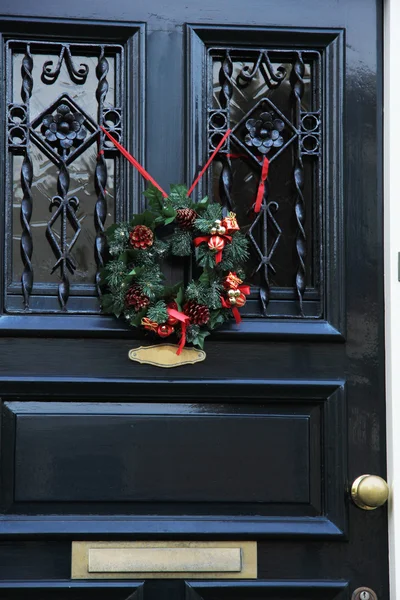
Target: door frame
{"type": "Point", "coordinates": [392, 284]}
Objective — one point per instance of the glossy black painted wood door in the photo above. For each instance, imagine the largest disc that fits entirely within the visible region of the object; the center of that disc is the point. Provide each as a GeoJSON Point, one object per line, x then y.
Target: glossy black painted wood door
{"type": "Point", "coordinates": [263, 439]}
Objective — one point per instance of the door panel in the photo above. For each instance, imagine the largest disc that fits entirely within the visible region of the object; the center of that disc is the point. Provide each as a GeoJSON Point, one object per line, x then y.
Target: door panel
{"type": "Point", "coordinates": [292, 433]}
{"type": "Point", "coordinates": [263, 439]}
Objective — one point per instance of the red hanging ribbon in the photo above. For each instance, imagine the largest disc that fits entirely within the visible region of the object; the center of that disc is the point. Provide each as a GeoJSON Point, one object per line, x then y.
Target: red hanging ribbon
{"type": "Point", "coordinates": [208, 163]}
{"type": "Point", "coordinates": [206, 238]}
{"type": "Point", "coordinates": [134, 162]}
{"type": "Point", "coordinates": [235, 310]}
{"type": "Point", "coordinates": [261, 187]}
{"type": "Point", "coordinates": [184, 320]}
{"type": "Point", "coordinates": [245, 289]}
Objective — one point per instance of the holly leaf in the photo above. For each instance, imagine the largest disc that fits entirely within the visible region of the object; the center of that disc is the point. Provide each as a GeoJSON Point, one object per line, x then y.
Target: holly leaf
{"type": "Point", "coordinates": [168, 214]}
{"type": "Point", "coordinates": [110, 231]}
{"type": "Point", "coordinates": [128, 256]}
{"type": "Point", "coordinates": [137, 319]}
{"type": "Point", "coordinates": [199, 339]}
{"type": "Point", "coordinates": [155, 198]}
{"type": "Point", "coordinates": [179, 298]}
{"type": "Point", "coordinates": [201, 205]}
{"type": "Point", "coordinates": [204, 277]}
{"type": "Point", "coordinates": [107, 303]}
{"type": "Point", "coordinates": [178, 196]}
{"type": "Point", "coordinates": [146, 218]}
{"type": "Point", "coordinates": [217, 317]}
{"type": "Point", "coordinates": [170, 291]}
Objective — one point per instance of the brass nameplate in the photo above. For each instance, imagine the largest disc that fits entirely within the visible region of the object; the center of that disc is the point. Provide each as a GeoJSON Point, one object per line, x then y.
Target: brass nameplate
{"type": "Point", "coordinates": [165, 560]}
{"type": "Point", "coordinates": [164, 355]}
{"type": "Point", "coordinates": [152, 560]}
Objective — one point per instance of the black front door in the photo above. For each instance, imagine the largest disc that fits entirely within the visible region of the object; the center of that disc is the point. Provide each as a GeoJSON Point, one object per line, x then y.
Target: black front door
{"type": "Point", "coordinates": [262, 440]}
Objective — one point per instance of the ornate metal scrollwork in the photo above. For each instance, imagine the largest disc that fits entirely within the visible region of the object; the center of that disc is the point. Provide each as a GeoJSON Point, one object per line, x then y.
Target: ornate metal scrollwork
{"type": "Point", "coordinates": [265, 132]}
{"type": "Point", "coordinates": [218, 125]}
{"type": "Point", "coordinates": [78, 75]}
{"type": "Point", "coordinates": [273, 78]}
{"type": "Point", "coordinates": [66, 208]}
{"type": "Point", "coordinates": [261, 95]}
{"type": "Point", "coordinates": [62, 132]}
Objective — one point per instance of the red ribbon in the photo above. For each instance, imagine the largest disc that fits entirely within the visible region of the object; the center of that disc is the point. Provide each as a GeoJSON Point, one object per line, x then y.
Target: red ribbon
{"type": "Point", "coordinates": [206, 238]}
{"type": "Point", "coordinates": [245, 289]}
{"type": "Point", "coordinates": [134, 162]}
{"type": "Point", "coordinates": [235, 310]}
{"type": "Point", "coordinates": [184, 319]}
{"type": "Point", "coordinates": [208, 163]}
{"type": "Point", "coordinates": [261, 187]}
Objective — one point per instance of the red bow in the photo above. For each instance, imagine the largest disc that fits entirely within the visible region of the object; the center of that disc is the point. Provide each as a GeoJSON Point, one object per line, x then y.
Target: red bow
{"type": "Point", "coordinates": [261, 187]}
{"type": "Point", "coordinates": [245, 289]}
{"type": "Point", "coordinates": [206, 238]}
{"type": "Point", "coordinates": [184, 319]}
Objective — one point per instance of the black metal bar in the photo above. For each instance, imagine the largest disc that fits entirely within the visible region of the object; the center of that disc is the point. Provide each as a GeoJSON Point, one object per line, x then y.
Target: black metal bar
{"type": "Point", "coordinates": [225, 179]}
{"type": "Point", "coordinates": [297, 82]}
{"type": "Point", "coordinates": [65, 210]}
{"type": "Point", "coordinates": [100, 176]}
{"type": "Point", "coordinates": [26, 243]}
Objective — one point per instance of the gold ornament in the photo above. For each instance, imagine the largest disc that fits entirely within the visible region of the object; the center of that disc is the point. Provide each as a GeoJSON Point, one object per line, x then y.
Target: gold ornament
{"type": "Point", "coordinates": [221, 230]}
{"type": "Point", "coordinates": [213, 231]}
{"type": "Point", "coordinates": [231, 293]}
{"type": "Point", "coordinates": [232, 300]}
{"type": "Point", "coordinates": [237, 293]}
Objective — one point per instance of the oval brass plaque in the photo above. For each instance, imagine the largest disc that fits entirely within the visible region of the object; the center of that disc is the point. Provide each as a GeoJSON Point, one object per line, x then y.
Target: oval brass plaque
{"type": "Point", "coordinates": [165, 356]}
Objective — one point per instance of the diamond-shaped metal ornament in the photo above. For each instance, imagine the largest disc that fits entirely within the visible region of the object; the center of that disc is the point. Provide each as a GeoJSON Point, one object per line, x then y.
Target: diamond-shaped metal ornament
{"type": "Point", "coordinates": [63, 131]}
{"type": "Point", "coordinates": [251, 133]}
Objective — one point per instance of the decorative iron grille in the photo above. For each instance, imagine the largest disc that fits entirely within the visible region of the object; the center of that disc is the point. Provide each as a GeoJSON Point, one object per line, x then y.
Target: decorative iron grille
{"type": "Point", "coordinates": [61, 172]}
{"type": "Point", "coordinates": [271, 99]}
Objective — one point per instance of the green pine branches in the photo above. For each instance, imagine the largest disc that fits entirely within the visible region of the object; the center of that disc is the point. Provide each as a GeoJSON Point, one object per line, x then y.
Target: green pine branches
{"type": "Point", "coordinates": [133, 280]}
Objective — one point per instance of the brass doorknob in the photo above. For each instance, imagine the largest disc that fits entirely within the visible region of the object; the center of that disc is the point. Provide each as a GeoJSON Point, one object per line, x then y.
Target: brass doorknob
{"type": "Point", "coordinates": [369, 492]}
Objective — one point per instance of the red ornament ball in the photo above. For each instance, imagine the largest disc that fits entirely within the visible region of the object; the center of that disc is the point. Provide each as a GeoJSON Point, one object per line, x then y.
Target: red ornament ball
{"type": "Point", "coordinates": [164, 330]}
{"type": "Point", "coordinates": [240, 300]}
{"type": "Point", "coordinates": [216, 243]}
{"type": "Point", "coordinates": [141, 237]}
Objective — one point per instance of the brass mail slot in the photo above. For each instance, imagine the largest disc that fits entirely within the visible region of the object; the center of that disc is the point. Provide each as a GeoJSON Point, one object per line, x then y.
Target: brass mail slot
{"type": "Point", "coordinates": [162, 560]}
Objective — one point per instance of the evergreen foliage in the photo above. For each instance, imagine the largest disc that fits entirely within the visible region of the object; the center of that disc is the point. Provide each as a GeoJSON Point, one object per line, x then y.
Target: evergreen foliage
{"type": "Point", "coordinates": [139, 269]}
{"type": "Point", "coordinates": [158, 312]}
{"type": "Point", "coordinates": [181, 243]}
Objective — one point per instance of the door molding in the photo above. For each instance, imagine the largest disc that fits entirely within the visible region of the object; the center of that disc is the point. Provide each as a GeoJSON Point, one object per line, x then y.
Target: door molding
{"type": "Point", "coordinates": [392, 285]}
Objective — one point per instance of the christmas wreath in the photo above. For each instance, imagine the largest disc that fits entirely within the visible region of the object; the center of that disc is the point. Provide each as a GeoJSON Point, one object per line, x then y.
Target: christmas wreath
{"type": "Point", "coordinates": [174, 225]}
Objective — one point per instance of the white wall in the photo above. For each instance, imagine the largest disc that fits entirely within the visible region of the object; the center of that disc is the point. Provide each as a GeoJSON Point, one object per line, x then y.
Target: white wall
{"type": "Point", "coordinates": [392, 286]}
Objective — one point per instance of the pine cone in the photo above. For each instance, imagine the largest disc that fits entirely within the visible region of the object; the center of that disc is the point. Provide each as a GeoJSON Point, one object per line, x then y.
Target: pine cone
{"type": "Point", "coordinates": [141, 237]}
{"type": "Point", "coordinates": [185, 217]}
{"type": "Point", "coordinates": [198, 314]}
{"type": "Point", "coordinates": [136, 299]}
